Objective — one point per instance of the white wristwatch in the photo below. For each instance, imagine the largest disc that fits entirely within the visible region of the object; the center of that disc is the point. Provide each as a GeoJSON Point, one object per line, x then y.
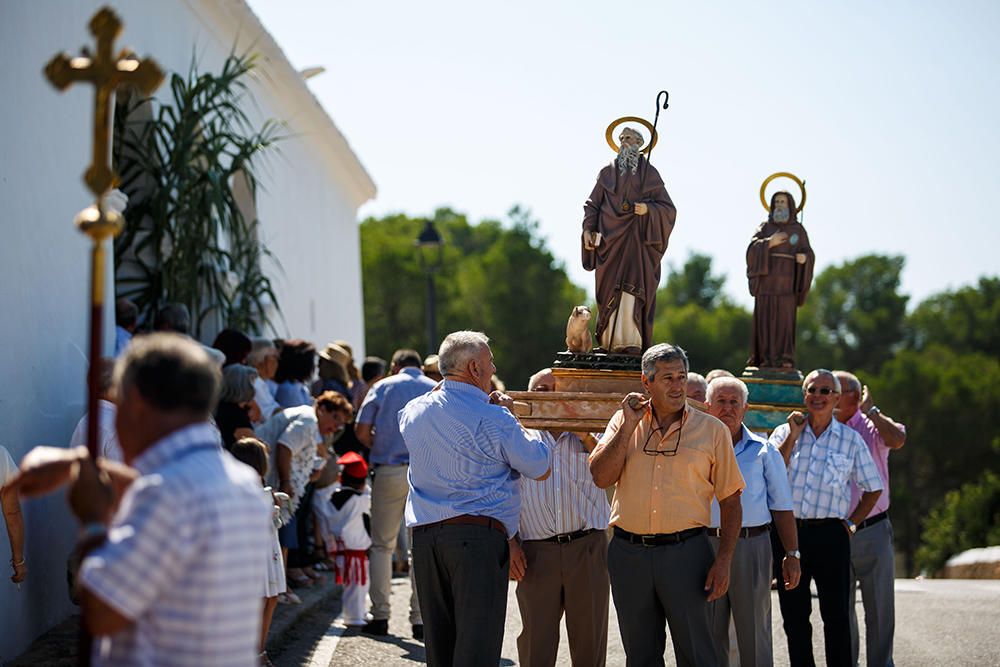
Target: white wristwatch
{"type": "Point", "coordinates": [795, 553]}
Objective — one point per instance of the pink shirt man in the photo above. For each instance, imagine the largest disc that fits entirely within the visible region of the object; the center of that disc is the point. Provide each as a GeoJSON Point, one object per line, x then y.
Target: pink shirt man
{"type": "Point", "coordinates": [880, 452]}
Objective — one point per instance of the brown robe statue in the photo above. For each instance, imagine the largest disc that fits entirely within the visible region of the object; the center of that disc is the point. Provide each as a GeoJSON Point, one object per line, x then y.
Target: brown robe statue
{"type": "Point", "coordinates": [627, 259]}
{"type": "Point", "coordinates": [779, 284]}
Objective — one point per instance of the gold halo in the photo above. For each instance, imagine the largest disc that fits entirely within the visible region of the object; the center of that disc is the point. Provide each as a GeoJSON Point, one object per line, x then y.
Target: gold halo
{"type": "Point", "coordinates": [783, 174]}
{"type": "Point", "coordinates": [609, 134]}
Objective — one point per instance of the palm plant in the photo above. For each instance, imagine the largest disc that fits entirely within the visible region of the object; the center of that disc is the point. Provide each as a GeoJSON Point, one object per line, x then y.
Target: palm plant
{"type": "Point", "coordinates": [186, 238]}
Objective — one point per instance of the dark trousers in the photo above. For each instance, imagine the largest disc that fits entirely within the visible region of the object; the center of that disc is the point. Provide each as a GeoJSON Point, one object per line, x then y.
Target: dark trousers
{"type": "Point", "coordinates": [826, 559]}
{"type": "Point", "coordinates": [461, 576]}
{"type": "Point", "coordinates": [658, 585]}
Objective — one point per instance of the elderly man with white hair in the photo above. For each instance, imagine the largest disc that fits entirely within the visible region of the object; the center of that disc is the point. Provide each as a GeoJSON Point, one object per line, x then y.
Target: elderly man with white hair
{"type": "Point", "coordinates": [766, 496]}
{"type": "Point", "coordinates": [823, 458]}
{"type": "Point", "coordinates": [467, 452]}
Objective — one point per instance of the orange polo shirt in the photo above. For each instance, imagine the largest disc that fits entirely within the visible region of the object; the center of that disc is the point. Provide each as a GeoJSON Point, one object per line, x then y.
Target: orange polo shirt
{"type": "Point", "coordinates": [667, 494]}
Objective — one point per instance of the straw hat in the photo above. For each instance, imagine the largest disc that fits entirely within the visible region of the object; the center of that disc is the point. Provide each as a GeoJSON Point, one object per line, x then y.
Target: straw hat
{"type": "Point", "coordinates": [336, 354]}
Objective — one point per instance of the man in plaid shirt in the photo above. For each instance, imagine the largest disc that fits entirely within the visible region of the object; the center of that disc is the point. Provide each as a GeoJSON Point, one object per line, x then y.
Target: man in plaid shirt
{"type": "Point", "coordinates": [823, 458]}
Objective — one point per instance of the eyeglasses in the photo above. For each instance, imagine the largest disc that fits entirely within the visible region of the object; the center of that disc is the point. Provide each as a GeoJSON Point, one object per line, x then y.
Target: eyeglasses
{"type": "Point", "coordinates": [662, 452]}
{"type": "Point", "coordinates": [822, 390]}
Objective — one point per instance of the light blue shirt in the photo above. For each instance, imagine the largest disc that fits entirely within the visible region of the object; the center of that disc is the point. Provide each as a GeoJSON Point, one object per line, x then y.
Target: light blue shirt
{"type": "Point", "coordinates": [821, 469]}
{"type": "Point", "coordinates": [466, 457]}
{"type": "Point", "coordinates": [185, 559]}
{"type": "Point", "coordinates": [766, 477]}
{"type": "Point", "coordinates": [122, 339]}
{"type": "Point", "coordinates": [292, 394]}
{"type": "Point", "coordinates": [381, 409]}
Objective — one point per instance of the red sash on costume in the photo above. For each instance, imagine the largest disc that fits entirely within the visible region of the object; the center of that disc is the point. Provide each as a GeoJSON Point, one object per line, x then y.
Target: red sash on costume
{"type": "Point", "coordinates": [350, 565]}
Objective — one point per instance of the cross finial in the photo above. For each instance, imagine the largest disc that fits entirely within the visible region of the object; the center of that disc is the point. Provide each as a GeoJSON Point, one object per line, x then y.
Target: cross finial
{"type": "Point", "coordinates": [107, 72]}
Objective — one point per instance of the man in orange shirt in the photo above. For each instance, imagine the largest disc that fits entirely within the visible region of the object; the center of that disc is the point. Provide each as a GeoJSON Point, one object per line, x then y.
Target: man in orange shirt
{"type": "Point", "coordinates": [668, 462]}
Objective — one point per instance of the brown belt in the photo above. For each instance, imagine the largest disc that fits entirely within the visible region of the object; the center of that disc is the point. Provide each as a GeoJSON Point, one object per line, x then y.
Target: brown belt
{"type": "Point", "coordinates": [470, 520]}
{"type": "Point", "coordinates": [751, 531]}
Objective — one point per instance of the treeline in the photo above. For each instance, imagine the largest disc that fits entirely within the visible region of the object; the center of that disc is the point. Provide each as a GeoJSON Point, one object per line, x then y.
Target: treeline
{"type": "Point", "coordinates": [935, 366]}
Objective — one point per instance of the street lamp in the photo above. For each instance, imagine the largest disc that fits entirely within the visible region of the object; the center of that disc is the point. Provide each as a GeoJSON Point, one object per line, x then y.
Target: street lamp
{"type": "Point", "coordinates": [430, 250]}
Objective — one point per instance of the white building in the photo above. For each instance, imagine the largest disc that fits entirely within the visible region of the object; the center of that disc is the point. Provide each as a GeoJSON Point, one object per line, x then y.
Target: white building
{"type": "Point", "coordinates": [307, 208]}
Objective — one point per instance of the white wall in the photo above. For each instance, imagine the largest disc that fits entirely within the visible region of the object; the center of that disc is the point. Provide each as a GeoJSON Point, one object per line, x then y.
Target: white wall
{"type": "Point", "coordinates": [307, 202]}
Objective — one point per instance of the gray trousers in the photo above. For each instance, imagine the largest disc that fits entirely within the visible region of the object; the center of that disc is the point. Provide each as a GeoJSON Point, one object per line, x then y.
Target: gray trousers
{"type": "Point", "coordinates": [570, 578]}
{"type": "Point", "coordinates": [748, 601]}
{"type": "Point", "coordinates": [874, 566]}
{"type": "Point", "coordinates": [663, 584]}
{"type": "Point", "coordinates": [462, 576]}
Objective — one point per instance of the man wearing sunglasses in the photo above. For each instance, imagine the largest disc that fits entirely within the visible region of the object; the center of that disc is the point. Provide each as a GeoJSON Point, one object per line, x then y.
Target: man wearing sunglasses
{"type": "Point", "coordinates": [669, 462]}
{"type": "Point", "coordinates": [823, 458]}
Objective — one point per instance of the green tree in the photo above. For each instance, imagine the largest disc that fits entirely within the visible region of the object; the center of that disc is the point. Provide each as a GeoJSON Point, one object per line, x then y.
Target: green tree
{"type": "Point", "coordinates": [965, 519]}
{"type": "Point", "coordinates": [854, 316]}
{"type": "Point", "coordinates": [496, 278]}
{"type": "Point", "coordinates": [965, 319]}
{"type": "Point", "coordinates": [693, 311]}
{"type": "Point", "coordinates": [693, 284]}
{"type": "Point", "coordinates": [947, 401]}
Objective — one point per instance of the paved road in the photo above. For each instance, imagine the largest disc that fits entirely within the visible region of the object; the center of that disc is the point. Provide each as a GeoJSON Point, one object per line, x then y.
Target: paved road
{"type": "Point", "coordinates": [939, 622]}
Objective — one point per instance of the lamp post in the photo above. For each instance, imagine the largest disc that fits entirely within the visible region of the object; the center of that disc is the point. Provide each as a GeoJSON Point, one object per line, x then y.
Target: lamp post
{"type": "Point", "coordinates": [430, 250]}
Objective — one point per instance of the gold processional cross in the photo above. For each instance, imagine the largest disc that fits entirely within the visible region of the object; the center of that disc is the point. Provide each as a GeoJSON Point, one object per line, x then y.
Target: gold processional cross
{"type": "Point", "coordinates": [106, 72]}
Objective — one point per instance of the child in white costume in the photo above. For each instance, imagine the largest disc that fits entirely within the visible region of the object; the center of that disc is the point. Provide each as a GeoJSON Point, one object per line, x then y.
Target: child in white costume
{"type": "Point", "coordinates": [343, 513]}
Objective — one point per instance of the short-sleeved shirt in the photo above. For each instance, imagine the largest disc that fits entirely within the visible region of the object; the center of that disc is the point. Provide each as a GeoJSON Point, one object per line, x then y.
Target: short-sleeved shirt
{"type": "Point", "coordinates": [880, 454]}
{"type": "Point", "coordinates": [466, 456]}
{"type": "Point", "coordinates": [667, 494]}
{"type": "Point", "coordinates": [185, 559]}
{"type": "Point", "coordinates": [7, 467]}
{"type": "Point", "coordinates": [297, 430]}
{"type": "Point", "coordinates": [381, 409]}
{"type": "Point", "coordinates": [107, 436]}
{"type": "Point", "coordinates": [820, 470]}
{"type": "Point", "coordinates": [766, 480]}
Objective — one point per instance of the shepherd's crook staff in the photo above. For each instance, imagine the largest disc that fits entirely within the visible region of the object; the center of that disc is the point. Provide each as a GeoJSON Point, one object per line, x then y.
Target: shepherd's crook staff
{"type": "Point", "coordinates": [106, 72]}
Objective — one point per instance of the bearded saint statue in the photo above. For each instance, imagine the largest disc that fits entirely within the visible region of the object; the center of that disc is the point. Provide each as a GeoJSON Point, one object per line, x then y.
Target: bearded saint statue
{"type": "Point", "coordinates": [780, 269]}
{"type": "Point", "coordinates": [626, 225]}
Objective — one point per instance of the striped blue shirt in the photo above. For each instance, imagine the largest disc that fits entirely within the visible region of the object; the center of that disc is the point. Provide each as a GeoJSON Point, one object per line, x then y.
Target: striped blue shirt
{"type": "Point", "coordinates": [185, 559]}
{"type": "Point", "coordinates": [466, 456]}
{"type": "Point", "coordinates": [821, 469]}
{"type": "Point", "coordinates": [381, 409]}
{"type": "Point", "coordinates": [568, 500]}
{"type": "Point", "coordinates": [766, 479]}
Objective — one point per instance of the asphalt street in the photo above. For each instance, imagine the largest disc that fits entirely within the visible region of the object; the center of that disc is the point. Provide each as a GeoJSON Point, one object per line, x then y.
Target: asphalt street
{"type": "Point", "coordinates": [938, 622]}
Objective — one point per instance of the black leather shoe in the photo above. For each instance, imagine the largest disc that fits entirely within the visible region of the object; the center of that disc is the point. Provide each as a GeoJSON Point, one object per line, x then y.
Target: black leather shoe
{"type": "Point", "coordinates": [418, 632]}
{"type": "Point", "coordinates": [378, 627]}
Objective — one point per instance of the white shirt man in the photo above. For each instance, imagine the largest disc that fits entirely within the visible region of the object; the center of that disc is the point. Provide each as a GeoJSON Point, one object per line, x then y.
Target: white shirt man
{"type": "Point", "coordinates": [563, 524]}
{"type": "Point", "coordinates": [107, 437]}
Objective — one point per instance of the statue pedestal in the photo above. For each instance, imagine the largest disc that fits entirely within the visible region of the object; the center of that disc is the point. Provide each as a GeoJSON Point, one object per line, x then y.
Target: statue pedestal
{"type": "Point", "coordinates": [774, 394]}
{"type": "Point", "coordinates": [585, 399]}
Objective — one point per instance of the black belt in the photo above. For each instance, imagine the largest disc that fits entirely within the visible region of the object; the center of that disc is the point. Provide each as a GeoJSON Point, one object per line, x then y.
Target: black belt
{"type": "Point", "coordinates": [659, 538]}
{"type": "Point", "coordinates": [751, 531]}
{"type": "Point", "coordinates": [566, 538]}
{"type": "Point", "coordinates": [816, 522]}
{"type": "Point", "coordinates": [872, 520]}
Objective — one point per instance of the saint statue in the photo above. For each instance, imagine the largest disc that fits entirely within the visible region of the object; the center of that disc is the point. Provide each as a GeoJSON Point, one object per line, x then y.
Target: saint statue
{"type": "Point", "coordinates": [626, 225]}
{"type": "Point", "coordinates": [780, 268]}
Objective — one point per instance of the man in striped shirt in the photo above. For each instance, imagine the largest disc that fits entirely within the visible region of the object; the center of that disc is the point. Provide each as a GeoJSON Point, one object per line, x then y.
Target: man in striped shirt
{"type": "Point", "coordinates": [175, 546]}
{"type": "Point", "coordinates": [563, 523]}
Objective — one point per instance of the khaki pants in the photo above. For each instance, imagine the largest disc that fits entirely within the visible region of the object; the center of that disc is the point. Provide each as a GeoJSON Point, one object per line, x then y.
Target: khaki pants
{"type": "Point", "coordinates": [570, 578]}
{"type": "Point", "coordinates": [389, 490]}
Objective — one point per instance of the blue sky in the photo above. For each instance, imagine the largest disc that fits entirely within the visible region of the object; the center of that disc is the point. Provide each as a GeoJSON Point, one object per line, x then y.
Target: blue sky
{"type": "Point", "coordinates": [888, 110]}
